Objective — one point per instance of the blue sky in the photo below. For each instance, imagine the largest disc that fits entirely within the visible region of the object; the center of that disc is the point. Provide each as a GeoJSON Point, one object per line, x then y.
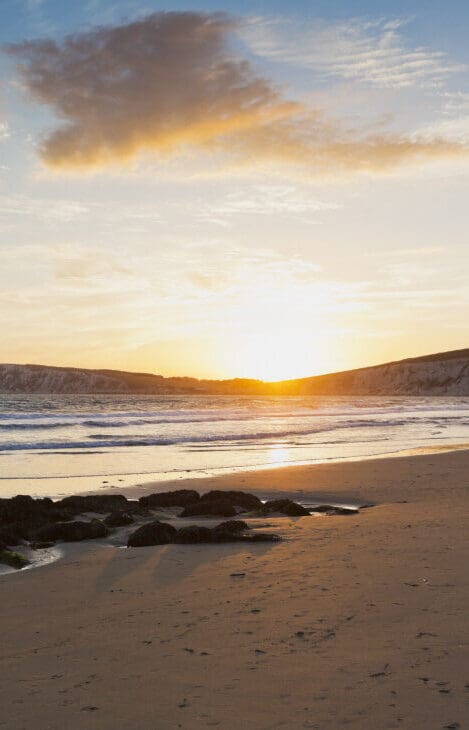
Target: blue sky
{"type": "Point", "coordinates": [305, 214]}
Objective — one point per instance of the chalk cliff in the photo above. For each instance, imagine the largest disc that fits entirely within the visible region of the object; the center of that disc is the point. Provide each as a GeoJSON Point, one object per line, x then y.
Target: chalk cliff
{"type": "Point", "coordinates": [441, 374]}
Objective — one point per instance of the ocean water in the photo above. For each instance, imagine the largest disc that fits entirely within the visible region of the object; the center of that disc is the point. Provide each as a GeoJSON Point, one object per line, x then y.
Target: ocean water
{"type": "Point", "coordinates": [57, 445]}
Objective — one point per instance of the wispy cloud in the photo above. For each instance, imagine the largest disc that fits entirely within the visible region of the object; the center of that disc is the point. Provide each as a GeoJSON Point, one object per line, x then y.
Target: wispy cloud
{"type": "Point", "coordinates": [40, 208]}
{"type": "Point", "coordinates": [453, 120]}
{"type": "Point", "coordinates": [262, 200]}
{"type": "Point", "coordinates": [375, 52]}
{"type": "Point", "coordinates": [170, 82]}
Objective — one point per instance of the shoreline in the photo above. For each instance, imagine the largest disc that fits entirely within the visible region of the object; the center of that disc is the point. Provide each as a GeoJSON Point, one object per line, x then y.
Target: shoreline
{"type": "Point", "coordinates": [361, 616]}
{"type": "Point", "coordinates": [134, 482]}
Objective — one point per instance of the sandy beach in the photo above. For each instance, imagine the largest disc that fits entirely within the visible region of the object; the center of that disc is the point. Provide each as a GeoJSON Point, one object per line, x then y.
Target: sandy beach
{"type": "Point", "coordinates": [351, 621]}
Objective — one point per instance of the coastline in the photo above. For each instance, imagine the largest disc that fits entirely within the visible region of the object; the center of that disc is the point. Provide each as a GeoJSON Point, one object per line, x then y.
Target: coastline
{"type": "Point", "coordinates": [351, 620]}
{"type": "Point", "coordinates": [136, 484]}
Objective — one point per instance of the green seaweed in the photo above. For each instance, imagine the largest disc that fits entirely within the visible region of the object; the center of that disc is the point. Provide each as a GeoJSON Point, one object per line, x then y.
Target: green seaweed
{"type": "Point", "coordinates": [14, 560]}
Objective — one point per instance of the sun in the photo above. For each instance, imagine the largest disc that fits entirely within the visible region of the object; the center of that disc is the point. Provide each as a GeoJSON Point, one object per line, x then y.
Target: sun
{"type": "Point", "coordinates": [279, 354]}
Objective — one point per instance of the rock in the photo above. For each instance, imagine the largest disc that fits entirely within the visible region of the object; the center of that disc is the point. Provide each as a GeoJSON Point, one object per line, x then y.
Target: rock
{"type": "Point", "coordinates": [233, 526]}
{"type": "Point", "coordinates": [230, 531]}
{"type": "Point", "coordinates": [118, 519]}
{"type": "Point", "coordinates": [330, 509]}
{"type": "Point", "coordinates": [11, 535]}
{"type": "Point", "coordinates": [99, 503]}
{"type": "Point", "coordinates": [219, 508]}
{"type": "Point", "coordinates": [14, 560]}
{"type": "Point", "coordinates": [72, 531]}
{"type": "Point", "coordinates": [152, 533]}
{"type": "Point", "coordinates": [194, 534]}
{"type": "Point", "coordinates": [285, 506]}
{"type": "Point", "coordinates": [237, 499]}
{"type": "Point", "coordinates": [23, 515]}
{"type": "Point", "coordinates": [41, 545]}
{"type": "Point", "coordinates": [178, 498]}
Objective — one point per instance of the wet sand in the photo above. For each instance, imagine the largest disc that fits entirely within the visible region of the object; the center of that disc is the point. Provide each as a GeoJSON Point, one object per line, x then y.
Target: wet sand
{"type": "Point", "coordinates": [353, 621]}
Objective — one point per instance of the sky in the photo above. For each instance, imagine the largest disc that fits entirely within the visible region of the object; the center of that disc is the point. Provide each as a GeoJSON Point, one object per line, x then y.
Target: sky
{"type": "Point", "coordinates": [249, 189]}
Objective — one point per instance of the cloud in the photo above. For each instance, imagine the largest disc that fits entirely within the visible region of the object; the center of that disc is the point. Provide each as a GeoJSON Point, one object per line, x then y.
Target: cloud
{"type": "Point", "coordinates": [59, 211]}
{"type": "Point", "coordinates": [157, 83]}
{"type": "Point", "coordinates": [374, 52]}
{"type": "Point", "coordinates": [453, 122]}
{"type": "Point", "coordinates": [262, 200]}
{"type": "Point", "coordinates": [170, 83]}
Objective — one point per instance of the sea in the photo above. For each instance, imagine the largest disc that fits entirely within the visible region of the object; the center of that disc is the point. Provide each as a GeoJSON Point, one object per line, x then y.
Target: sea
{"type": "Point", "coordinates": [62, 444]}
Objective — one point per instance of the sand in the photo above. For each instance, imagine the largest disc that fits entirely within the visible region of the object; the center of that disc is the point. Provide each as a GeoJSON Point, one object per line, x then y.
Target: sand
{"type": "Point", "coordinates": [352, 621]}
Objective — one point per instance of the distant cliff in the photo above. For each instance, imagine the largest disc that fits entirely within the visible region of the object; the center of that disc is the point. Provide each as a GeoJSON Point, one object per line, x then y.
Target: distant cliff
{"type": "Point", "coordinates": [446, 373]}
{"type": "Point", "coordinates": [442, 374]}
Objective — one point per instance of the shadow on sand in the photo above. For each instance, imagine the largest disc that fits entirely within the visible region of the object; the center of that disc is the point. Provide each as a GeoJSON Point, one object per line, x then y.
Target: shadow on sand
{"type": "Point", "coordinates": [165, 565]}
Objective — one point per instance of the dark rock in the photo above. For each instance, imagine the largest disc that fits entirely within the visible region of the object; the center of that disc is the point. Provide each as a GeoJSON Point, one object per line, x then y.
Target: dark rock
{"type": "Point", "coordinates": [230, 531]}
{"type": "Point", "coordinates": [237, 499]}
{"type": "Point", "coordinates": [11, 535]}
{"type": "Point", "coordinates": [233, 526]}
{"type": "Point", "coordinates": [330, 509]}
{"type": "Point", "coordinates": [118, 519]}
{"type": "Point", "coordinates": [224, 504]}
{"type": "Point", "coordinates": [286, 507]}
{"type": "Point", "coordinates": [219, 508]}
{"type": "Point", "coordinates": [178, 498]}
{"type": "Point", "coordinates": [194, 534]}
{"type": "Point", "coordinates": [23, 515]}
{"type": "Point", "coordinates": [99, 503]}
{"type": "Point", "coordinates": [153, 533]}
{"type": "Point", "coordinates": [36, 545]}
{"type": "Point", "coordinates": [72, 531]}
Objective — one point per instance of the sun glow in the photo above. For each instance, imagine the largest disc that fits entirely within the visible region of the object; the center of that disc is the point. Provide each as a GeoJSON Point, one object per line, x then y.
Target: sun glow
{"type": "Point", "coordinates": [283, 327]}
{"type": "Point", "coordinates": [271, 356]}
{"type": "Point", "coordinates": [279, 354]}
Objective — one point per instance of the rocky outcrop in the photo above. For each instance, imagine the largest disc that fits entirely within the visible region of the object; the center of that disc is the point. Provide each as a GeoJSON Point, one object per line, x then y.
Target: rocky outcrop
{"type": "Point", "coordinates": [222, 504]}
{"type": "Point", "coordinates": [243, 500]}
{"type": "Point", "coordinates": [99, 503]}
{"type": "Point", "coordinates": [22, 515]}
{"type": "Point", "coordinates": [162, 500]}
{"type": "Point", "coordinates": [284, 507]}
{"type": "Point", "coordinates": [152, 533]}
{"type": "Point", "coordinates": [118, 519]}
{"type": "Point", "coordinates": [72, 531]}
{"type": "Point", "coordinates": [161, 533]}
{"type": "Point", "coordinates": [217, 508]}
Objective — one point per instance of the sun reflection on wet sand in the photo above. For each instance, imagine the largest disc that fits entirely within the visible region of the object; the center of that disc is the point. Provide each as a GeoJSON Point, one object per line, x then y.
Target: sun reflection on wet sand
{"type": "Point", "coordinates": [277, 455]}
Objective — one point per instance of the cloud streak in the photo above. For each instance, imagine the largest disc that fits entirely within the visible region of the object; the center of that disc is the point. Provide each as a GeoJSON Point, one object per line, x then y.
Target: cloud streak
{"type": "Point", "coordinates": [170, 83]}
{"type": "Point", "coordinates": [373, 52]}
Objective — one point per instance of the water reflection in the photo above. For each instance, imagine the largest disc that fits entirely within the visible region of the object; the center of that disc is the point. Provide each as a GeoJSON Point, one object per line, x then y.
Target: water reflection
{"type": "Point", "coordinates": [278, 455]}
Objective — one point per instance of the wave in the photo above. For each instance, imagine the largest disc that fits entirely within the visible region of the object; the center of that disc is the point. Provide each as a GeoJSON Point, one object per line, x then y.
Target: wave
{"type": "Point", "coordinates": [31, 426]}
{"type": "Point", "coordinates": [103, 440]}
{"type": "Point", "coordinates": [240, 410]}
